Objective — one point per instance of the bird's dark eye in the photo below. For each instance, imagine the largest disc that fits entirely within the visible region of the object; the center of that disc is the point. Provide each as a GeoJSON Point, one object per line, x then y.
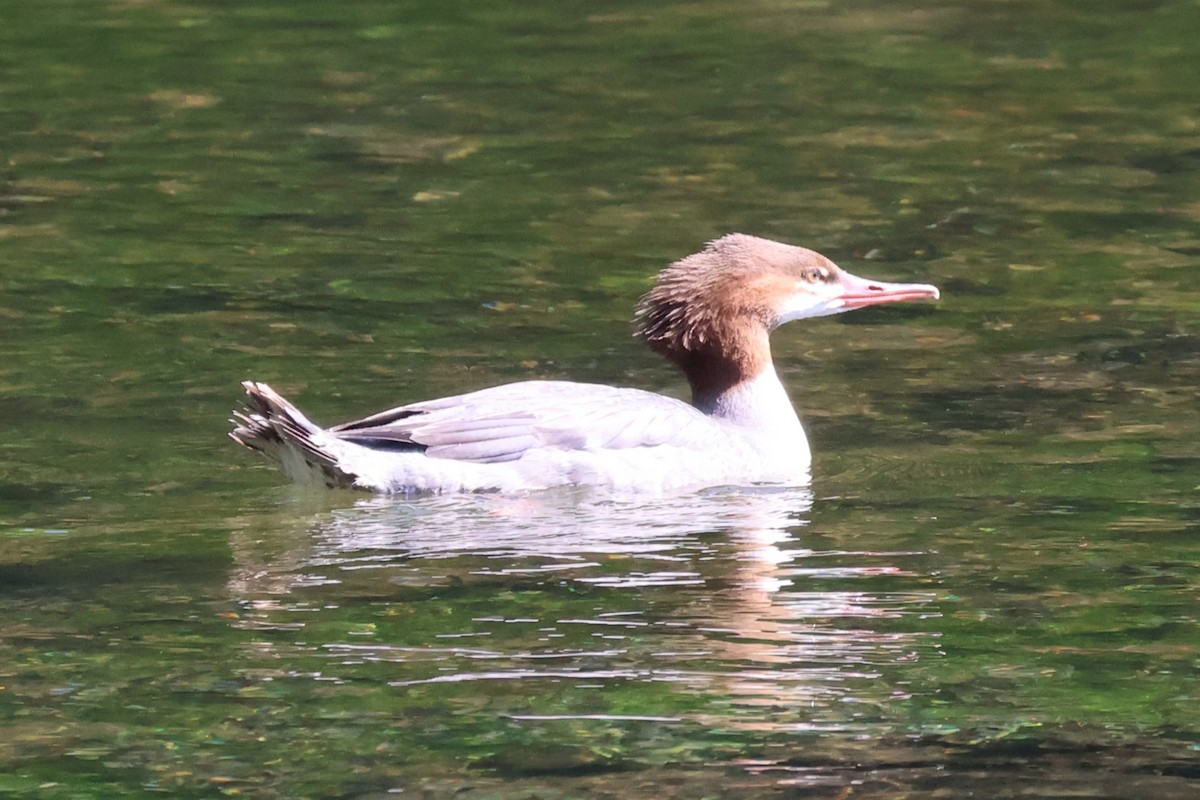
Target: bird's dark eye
{"type": "Point", "coordinates": [816, 275]}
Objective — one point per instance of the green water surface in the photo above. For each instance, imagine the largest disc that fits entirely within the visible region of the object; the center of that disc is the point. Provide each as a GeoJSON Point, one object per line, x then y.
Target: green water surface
{"type": "Point", "coordinates": [991, 589]}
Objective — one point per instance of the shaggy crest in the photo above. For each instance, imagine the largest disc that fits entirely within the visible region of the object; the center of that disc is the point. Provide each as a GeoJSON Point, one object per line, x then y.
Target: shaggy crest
{"type": "Point", "coordinates": [710, 313]}
{"type": "Point", "coordinates": [733, 281]}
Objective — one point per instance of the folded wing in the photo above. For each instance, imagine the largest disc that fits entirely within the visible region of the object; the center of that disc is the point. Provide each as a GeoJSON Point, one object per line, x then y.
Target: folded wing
{"type": "Point", "coordinates": [505, 422]}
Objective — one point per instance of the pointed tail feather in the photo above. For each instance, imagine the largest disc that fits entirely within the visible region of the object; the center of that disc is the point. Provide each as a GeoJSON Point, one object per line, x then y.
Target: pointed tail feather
{"type": "Point", "coordinates": [276, 428]}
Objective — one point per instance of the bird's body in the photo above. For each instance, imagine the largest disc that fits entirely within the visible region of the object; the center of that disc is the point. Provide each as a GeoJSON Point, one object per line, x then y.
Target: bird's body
{"type": "Point", "coordinates": [710, 314]}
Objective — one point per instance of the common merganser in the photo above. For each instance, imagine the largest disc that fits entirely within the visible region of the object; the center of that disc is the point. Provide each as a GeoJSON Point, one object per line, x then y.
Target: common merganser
{"type": "Point", "coordinates": [709, 314]}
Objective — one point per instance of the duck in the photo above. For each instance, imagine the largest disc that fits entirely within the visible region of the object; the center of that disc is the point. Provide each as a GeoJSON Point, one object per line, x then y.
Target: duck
{"type": "Point", "coordinates": [709, 314]}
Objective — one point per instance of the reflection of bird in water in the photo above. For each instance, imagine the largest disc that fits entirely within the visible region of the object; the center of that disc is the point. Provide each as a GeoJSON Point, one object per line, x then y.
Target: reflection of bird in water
{"type": "Point", "coordinates": [711, 593]}
{"type": "Point", "coordinates": [710, 314]}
